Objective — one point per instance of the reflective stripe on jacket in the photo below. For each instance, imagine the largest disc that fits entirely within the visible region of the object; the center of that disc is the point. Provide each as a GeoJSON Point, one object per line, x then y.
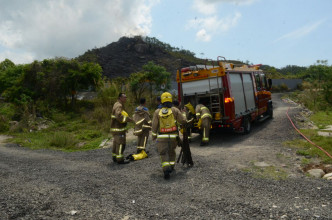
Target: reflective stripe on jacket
{"type": "Point", "coordinates": [202, 112]}
{"type": "Point", "coordinates": [118, 120]}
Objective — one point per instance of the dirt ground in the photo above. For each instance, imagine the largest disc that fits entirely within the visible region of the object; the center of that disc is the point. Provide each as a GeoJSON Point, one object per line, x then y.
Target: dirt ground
{"type": "Point", "coordinates": [45, 184]}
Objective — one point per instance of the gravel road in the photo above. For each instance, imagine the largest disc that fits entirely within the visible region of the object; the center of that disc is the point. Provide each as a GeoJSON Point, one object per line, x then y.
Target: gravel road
{"type": "Point", "coordinates": [46, 184]}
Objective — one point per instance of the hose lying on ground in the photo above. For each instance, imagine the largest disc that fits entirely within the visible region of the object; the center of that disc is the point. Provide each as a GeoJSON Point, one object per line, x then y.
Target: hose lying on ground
{"type": "Point", "coordinates": [306, 137]}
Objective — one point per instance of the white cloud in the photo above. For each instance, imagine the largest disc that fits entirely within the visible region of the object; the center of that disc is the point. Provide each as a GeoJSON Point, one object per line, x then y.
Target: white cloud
{"type": "Point", "coordinates": [201, 35]}
{"type": "Point", "coordinates": [204, 7]}
{"type": "Point", "coordinates": [210, 6]}
{"type": "Point", "coordinates": [236, 2]}
{"type": "Point", "coordinates": [49, 28]}
{"type": "Point", "coordinates": [209, 26]}
{"type": "Point", "coordinates": [301, 32]}
{"type": "Point", "coordinates": [17, 56]}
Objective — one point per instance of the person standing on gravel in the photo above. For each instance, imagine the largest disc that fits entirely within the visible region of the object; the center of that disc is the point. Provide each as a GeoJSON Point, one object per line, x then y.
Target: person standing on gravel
{"type": "Point", "coordinates": [190, 115]}
{"type": "Point", "coordinates": [203, 114]}
{"type": "Point", "coordinates": [142, 125]}
{"type": "Point", "coordinates": [165, 130]}
{"type": "Point", "coordinates": [119, 128]}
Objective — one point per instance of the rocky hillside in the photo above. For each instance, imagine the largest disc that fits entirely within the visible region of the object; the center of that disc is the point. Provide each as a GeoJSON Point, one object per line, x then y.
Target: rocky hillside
{"type": "Point", "coordinates": [128, 55]}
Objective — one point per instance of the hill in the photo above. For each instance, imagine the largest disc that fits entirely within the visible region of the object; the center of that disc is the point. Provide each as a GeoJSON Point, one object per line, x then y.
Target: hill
{"type": "Point", "coordinates": [128, 55]}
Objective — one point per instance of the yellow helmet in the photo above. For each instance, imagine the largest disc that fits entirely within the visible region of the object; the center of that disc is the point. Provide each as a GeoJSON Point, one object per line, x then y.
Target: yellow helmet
{"type": "Point", "coordinates": [166, 97]}
{"type": "Point", "coordinates": [190, 108]}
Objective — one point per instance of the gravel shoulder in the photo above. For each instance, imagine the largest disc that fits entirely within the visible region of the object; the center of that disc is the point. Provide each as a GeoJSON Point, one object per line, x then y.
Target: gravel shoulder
{"type": "Point", "coordinates": [46, 184]}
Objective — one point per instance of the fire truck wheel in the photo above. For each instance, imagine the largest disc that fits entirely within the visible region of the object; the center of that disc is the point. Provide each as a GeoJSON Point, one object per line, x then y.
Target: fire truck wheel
{"type": "Point", "coordinates": [246, 125]}
{"type": "Point", "coordinates": [270, 111]}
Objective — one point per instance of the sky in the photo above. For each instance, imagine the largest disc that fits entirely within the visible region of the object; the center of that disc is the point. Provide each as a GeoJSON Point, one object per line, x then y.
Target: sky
{"type": "Point", "coordinates": [270, 32]}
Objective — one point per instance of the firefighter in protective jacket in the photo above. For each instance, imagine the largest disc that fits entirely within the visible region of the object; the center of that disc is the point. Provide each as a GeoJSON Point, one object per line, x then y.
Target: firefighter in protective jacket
{"type": "Point", "coordinates": [204, 118]}
{"type": "Point", "coordinates": [165, 130]}
{"type": "Point", "coordinates": [142, 125]}
{"type": "Point", "coordinates": [190, 115]}
{"type": "Point", "coordinates": [119, 128]}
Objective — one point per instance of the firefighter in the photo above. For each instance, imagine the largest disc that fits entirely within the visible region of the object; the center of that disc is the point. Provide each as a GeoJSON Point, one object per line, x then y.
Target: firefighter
{"type": "Point", "coordinates": [204, 118]}
{"type": "Point", "coordinates": [176, 104]}
{"type": "Point", "coordinates": [165, 130]}
{"type": "Point", "coordinates": [119, 128]}
{"type": "Point", "coordinates": [190, 115]}
{"type": "Point", "coordinates": [142, 125]}
{"type": "Point", "coordinates": [158, 102]}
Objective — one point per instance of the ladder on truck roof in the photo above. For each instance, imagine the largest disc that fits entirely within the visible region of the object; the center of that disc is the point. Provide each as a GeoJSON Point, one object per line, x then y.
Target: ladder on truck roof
{"type": "Point", "coordinates": [215, 105]}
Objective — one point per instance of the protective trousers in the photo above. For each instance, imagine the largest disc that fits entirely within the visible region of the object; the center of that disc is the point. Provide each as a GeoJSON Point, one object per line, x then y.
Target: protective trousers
{"type": "Point", "coordinates": [119, 145]}
{"type": "Point", "coordinates": [142, 139]}
{"type": "Point", "coordinates": [166, 150]}
{"type": "Point", "coordinates": [206, 125]}
{"type": "Point", "coordinates": [189, 133]}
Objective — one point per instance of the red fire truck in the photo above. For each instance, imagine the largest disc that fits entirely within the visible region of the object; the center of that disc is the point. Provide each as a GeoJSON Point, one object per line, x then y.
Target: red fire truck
{"type": "Point", "coordinates": [235, 95]}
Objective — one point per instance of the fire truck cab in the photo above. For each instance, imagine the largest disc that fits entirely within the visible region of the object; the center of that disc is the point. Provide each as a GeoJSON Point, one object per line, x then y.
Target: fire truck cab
{"type": "Point", "coordinates": [235, 95]}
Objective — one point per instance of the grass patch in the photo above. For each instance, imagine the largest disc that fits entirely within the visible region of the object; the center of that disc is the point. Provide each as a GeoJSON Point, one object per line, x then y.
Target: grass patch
{"type": "Point", "coordinates": [63, 140]}
{"type": "Point", "coordinates": [306, 149]}
{"type": "Point", "coordinates": [68, 133]}
{"type": "Point", "coordinates": [322, 119]}
{"type": "Point", "coordinates": [269, 172]}
{"type": "Point", "coordinates": [305, 161]}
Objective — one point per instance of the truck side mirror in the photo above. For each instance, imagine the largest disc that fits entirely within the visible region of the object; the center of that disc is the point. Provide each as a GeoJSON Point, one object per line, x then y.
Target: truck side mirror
{"type": "Point", "coordinates": [270, 84]}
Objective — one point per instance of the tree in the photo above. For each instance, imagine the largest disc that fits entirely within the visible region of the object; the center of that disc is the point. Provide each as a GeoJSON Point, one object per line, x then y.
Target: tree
{"type": "Point", "coordinates": [6, 64]}
{"type": "Point", "coordinates": [138, 84]}
{"type": "Point", "coordinates": [153, 77]}
{"type": "Point", "coordinates": [274, 74]}
{"type": "Point", "coordinates": [9, 74]}
{"type": "Point", "coordinates": [320, 75]}
{"type": "Point", "coordinates": [50, 80]}
{"type": "Point", "coordinates": [159, 78]}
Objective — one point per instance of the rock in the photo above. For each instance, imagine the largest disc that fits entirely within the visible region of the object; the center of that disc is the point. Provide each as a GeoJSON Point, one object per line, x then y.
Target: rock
{"type": "Point", "coordinates": [327, 175]}
{"type": "Point", "coordinates": [73, 212]}
{"type": "Point", "coordinates": [328, 128]}
{"type": "Point", "coordinates": [141, 48]}
{"type": "Point", "coordinates": [328, 168]}
{"type": "Point", "coordinates": [261, 164]}
{"type": "Point", "coordinates": [324, 133]}
{"type": "Point", "coordinates": [81, 144]}
{"type": "Point", "coordinates": [102, 144]}
{"type": "Point", "coordinates": [4, 138]}
{"type": "Point", "coordinates": [329, 178]}
{"type": "Point", "coordinates": [318, 173]}
{"type": "Point", "coordinates": [13, 123]}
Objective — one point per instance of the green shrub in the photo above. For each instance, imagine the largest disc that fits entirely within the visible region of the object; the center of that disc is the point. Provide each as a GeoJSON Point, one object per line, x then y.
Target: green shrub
{"type": "Point", "coordinates": [89, 135]}
{"type": "Point", "coordinates": [7, 113]}
{"type": "Point", "coordinates": [284, 87]}
{"type": "Point", "coordinates": [280, 88]}
{"type": "Point", "coordinates": [4, 124]}
{"type": "Point", "coordinates": [62, 139]}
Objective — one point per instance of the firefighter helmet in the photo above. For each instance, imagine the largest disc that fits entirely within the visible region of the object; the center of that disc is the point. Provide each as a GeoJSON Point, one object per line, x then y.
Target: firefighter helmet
{"type": "Point", "coordinates": [166, 97]}
{"type": "Point", "coordinates": [190, 108]}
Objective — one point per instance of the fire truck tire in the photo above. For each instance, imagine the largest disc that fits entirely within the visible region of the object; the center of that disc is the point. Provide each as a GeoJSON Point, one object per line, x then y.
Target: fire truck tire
{"type": "Point", "coordinates": [246, 125]}
{"type": "Point", "coordinates": [269, 111]}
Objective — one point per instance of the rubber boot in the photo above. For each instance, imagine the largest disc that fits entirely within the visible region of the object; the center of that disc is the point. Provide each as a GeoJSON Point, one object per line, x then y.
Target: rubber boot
{"type": "Point", "coordinates": [123, 162]}
{"type": "Point", "coordinates": [167, 173]}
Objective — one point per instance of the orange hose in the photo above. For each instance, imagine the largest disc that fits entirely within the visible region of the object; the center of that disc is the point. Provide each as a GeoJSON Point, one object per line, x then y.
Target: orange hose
{"type": "Point", "coordinates": [306, 137]}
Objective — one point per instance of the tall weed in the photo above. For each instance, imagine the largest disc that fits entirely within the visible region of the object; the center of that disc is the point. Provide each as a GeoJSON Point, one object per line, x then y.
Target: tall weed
{"type": "Point", "coordinates": [62, 139]}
